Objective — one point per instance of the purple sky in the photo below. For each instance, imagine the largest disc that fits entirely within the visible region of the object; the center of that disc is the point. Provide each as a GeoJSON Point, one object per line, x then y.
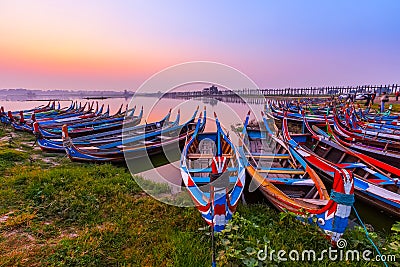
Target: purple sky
{"type": "Point", "coordinates": [117, 45]}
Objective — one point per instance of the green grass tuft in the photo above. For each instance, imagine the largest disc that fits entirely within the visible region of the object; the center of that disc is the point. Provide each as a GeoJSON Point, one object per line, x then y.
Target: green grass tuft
{"type": "Point", "coordinates": [10, 157]}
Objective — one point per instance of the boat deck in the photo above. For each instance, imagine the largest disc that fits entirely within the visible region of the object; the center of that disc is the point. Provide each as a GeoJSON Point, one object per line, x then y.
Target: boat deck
{"type": "Point", "coordinates": [200, 163]}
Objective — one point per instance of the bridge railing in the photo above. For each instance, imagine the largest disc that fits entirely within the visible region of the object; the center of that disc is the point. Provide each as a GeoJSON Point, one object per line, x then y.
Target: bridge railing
{"type": "Point", "coordinates": [307, 91]}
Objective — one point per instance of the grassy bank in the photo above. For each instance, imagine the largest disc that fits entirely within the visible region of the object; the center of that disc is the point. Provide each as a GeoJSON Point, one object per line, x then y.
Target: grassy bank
{"type": "Point", "coordinates": [56, 213]}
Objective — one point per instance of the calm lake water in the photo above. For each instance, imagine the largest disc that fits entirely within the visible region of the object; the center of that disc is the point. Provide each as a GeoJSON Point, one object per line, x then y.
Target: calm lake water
{"type": "Point", "coordinates": [229, 114]}
{"type": "Point", "coordinates": [155, 109]}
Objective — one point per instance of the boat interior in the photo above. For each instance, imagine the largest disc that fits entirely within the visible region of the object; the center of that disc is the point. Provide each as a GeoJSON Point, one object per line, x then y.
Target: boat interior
{"type": "Point", "coordinates": [273, 162]}
{"type": "Point", "coordinates": [200, 156]}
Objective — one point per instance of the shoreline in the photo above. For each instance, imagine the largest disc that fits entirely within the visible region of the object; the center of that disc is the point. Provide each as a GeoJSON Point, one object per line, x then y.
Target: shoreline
{"type": "Point", "coordinates": [54, 211]}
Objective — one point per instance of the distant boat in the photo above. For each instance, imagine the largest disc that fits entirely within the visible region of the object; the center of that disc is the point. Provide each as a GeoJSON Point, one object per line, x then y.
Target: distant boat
{"type": "Point", "coordinates": [145, 140]}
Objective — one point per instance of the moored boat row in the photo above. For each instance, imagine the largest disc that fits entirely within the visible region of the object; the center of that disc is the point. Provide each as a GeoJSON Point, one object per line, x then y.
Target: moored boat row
{"type": "Point", "coordinates": [292, 170]}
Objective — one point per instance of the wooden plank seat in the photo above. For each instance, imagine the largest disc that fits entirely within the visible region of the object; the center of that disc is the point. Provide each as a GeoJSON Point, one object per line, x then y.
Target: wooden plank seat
{"type": "Point", "coordinates": [166, 137]}
{"type": "Point", "coordinates": [208, 170]}
{"type": "Point", "coordinates": [205, 180]}
{"type": "Point", "coordinates": [270, 156]}
{"type": "Point", "coordinates": [290, 181]}
{"type": "Point", "coordinates": [206, 156]}
{"type": "Point", "coordinates": [294, 194]}
{"type": "Point", "coordinates": [319, 202]}
{"type": "Point", "coordinates": [147, 142]}
{"type": "Point", "coordinates": [90, 148]}
{"type": "Point", "coordinates": [351, 165]}
{"type": "Point", "coordinates": [281, 170]}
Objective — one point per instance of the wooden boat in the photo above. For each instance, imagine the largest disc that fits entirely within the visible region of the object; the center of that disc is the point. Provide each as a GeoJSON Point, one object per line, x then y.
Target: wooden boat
{"type": "Point", "coordinates": [92, 126]}
{"type": "Point", "coordinates": [61, 115]}
{"type": "Point", "coordinates": [341, 128]}
{"type": "Point", "coordinates": [3, 116]}
{"type": "Point", "coordinates": [384, 150]}
{"type": "Point", "coordinates": [8, 117]}
{"type": "Point", "coordinates": [80, 119]}
{"type": "Point", "coordinates": [213, 175]}
{"type": "Point", "coordinates": [372, 131]}
{"type": "Point", "coordinates": [23, 123]}
{"type": "Point", "coordinates": [384, 118]}
{"type": "Point", "coordinates": [51, 105]}
{"type": "Point", "coordinates": [375, 182]}
{"type": "Point", "coordinates": [375, 120]}
{"type": "Point", "coordinates": [95, 138]}
{"type": "Point", "coordinates": [278, 113]}
{"type": "Point", "coordinates": [76, 116]}
{"type": "Point", "coordinates": [147, 140]}
{"type": "Point", "coordinates": [18, 126]}
{"type": "Point", "coordinates": [290, 184]}
{"type": "Point", "coordinates": [50, 114]}
{"type": "Point", "coordinates": [74, 109]}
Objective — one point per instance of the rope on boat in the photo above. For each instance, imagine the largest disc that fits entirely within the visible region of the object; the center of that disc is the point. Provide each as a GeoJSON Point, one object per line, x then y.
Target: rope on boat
{"type": "Point", "coordinates": [348, 200]}
{"type": "Point", "coordinates": [367, 235]}
{"type": "Point", "coordinates": [344, 199]}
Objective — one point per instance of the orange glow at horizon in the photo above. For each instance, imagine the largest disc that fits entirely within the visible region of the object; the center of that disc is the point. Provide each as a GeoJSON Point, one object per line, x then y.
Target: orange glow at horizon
{"type": "Point", "coordinates": [59, 40]}
{"type": "Point", "coordinates": [74, 59]}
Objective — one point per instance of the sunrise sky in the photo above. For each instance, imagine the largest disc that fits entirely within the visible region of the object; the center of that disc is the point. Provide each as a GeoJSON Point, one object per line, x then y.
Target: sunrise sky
{"type": "Point", "coordinates": [117, 45]}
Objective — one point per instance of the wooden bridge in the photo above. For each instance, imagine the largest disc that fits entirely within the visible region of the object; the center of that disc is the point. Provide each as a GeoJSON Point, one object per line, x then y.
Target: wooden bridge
{"type": "Point", "coordinates": [309, 91]}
